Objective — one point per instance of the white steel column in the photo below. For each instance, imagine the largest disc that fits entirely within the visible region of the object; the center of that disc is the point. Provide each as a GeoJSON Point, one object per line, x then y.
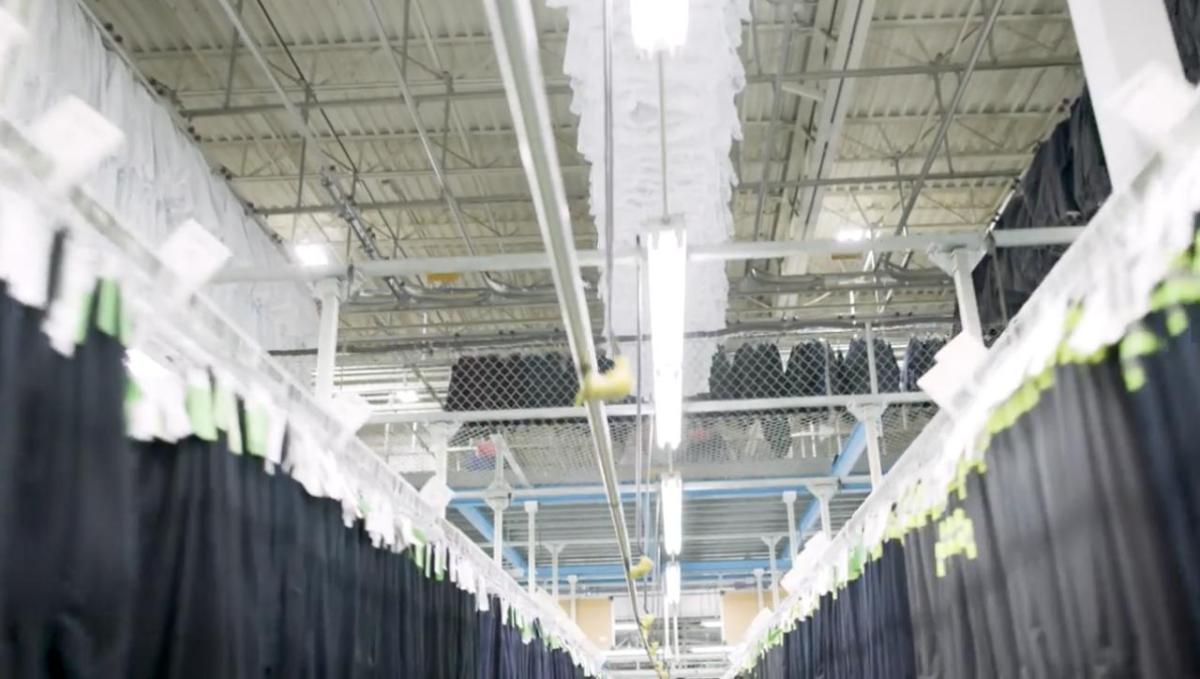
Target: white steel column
{"type": "Point", "coordinates": [531, 507]}
{"type": "Point", "coordinates": [572, 580]}
{"type": "Point", "coordinates": [758, 586]}
{"type": "Point", "coordinates": [964, 290]}
{"type": "Point", "coordinates": [555, 550]}
{"type": "Point", "coordinates": [772, 543]}
{"type": "Point", "coordinates": [327, 292]}
{"type": "Point", "coordinates": [869, 415]}
{"type": "Point", "coordinates": [1117, 40]}
{"type": "Point", "coordinates": [498, 506]}
{"type": "Point", "coordinates": [824, 492]}
{"type": "Point", "coordinates": [789, 501]}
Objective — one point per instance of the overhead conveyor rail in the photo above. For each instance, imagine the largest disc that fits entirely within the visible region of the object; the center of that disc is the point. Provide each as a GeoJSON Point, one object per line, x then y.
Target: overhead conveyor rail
{"type": "Point", "coordinates": [514, 35]}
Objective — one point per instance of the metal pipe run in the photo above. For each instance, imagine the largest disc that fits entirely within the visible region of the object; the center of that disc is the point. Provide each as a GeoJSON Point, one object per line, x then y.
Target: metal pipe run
{"type": "Point", "coordinates": [531, 508]}
{"type": "Point", "coordinates": [724, 252]}
{"type": "Point", "coordinates": [327, 292]}
{"type": "Point", "coordinates": [514, 35]}
{"type": "Point", "coordinates": [630, 409]}
{"type": "Point", "coordinates": [948, 117]}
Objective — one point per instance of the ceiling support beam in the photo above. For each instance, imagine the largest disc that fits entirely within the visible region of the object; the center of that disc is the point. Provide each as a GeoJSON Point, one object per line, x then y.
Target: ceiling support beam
{"type": "Point", "coordinates": [560, 87]}
{"type": "Point", "coordinates": [829, 117]}
{"type": "Point", "coordinates": [520, 198]}
{"type": "Point", "coordinates": [739, 250]}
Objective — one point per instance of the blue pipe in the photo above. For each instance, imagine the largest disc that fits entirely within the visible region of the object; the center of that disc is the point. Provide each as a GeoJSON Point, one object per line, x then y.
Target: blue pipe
{"type": "Point", "coordinates": [843, 464]}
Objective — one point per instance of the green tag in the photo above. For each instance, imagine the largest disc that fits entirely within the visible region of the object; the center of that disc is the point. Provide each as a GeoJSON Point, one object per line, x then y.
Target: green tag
{"type": "Point", "coordinates": [257, 426]}
{"type": "Point", "coordinates": [1139, 342]}
{"type": "Point", "coordinates": [133, 394]}
{"type": "Point", "coordinates": [108, 308]}
{"type": "Point", "coordinates": [85, 319]}
{"type": "Point", "coordinates": [1177, 321]}
{"type": "Point", "coordinates": [226, 418]}
{"type": "Point", "coordinates": [200, 412]}
{"type": "Point", "coordinates": [419, 557]}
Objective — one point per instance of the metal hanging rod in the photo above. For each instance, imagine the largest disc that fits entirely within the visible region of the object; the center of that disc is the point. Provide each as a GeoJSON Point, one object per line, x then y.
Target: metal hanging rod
{"type": "Point", "coordinates": [704, 253]}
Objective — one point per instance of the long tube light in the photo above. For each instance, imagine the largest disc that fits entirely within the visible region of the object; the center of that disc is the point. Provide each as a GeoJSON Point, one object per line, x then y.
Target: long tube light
{"type": "Point", "coordinates": [666, 268]}
{"type": "Point", "coordinates": [659, 25]}
{"type": "Point", "coordinates": [674, 582]}
{"type": "Point", "coordinates": [672, 508]}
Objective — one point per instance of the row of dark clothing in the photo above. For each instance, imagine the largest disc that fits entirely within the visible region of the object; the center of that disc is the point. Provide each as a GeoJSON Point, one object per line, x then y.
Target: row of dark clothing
{"type": "Point", "coordinates": [547, 380]}
{"type": "Point", "coordinates": [126, 559]}
{"type": "Point", "coordinates": [1065, 185]}
{"type": "Point", "coordinates": [1070, 554]}
{"type": "Point", "coordinates": [814, 369]}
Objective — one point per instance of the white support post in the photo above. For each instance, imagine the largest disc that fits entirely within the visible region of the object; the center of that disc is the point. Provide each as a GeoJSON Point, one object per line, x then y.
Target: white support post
{"type": "Point", "coordinates": [964, 290]}
{"type": "Point", "coordinates": [498, 496]}
{"type": "Point", "coordinates": [328, 291]}
{"type": "Point", "coordinates": [758, 586]}
{"type": "Point", "coordinates": [959, 263]}
{"type": "Point", "coordinates": [531, 508]}
{"type": "Point", "coordinates": [1118, 39]}
{"type": "Point", "coordinates": [772, 543]}
{"type": "Point", "coordinates": [872, 369]}
{"type": "Point", "coordinates": [572, 581]}
{"type": "Point", "coordinates": [789, 502]}
{"type": "Point", "coordinates": [498, 505]}
{"type": "Point", "coordinates": [824, 492]}
{"type": "Point", "coordinates": [555, 550]}
{"type": "Point", "coordinates": [869, 415]}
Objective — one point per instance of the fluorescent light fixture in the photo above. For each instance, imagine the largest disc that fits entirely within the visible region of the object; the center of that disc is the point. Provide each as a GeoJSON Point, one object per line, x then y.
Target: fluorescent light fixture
{"type": "Point", "coordinates": [672, 508]}
{"type": "Point", "coordinates": [712, 650]}
{"type": "Point", "coordinates": [628, 653]}
{"type": "Point", "coordinates": [711, 624]}
{"type": "Point", "coordinates": [625, 626]}
{"type": "Point", "coordinates": [407, 395]}
{"type": "Point", "coordinates": [666, 260]}
{"type": "Point", "coordinates": [674, 582]}
{"type": "Point", "coordinates": [312, 254]}
{"type": "Point", "coordinates": [803, 91]}
{"type": "Point", "coordinates": [852, 235]}
{"type": "Point", "coordinates": [659, 24]}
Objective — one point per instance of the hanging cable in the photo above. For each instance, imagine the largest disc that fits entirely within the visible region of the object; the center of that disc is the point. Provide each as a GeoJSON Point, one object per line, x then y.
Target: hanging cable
{"type": "Point", "coordinates": [662, 137]}
{"type": "Point", "coordinates": [609, 191]}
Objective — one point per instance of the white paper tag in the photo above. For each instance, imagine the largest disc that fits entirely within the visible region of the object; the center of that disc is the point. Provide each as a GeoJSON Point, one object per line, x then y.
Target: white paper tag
{"type": "Point", "coordinates": [351, 410]}
{"type": "Point", "coordinates": [960, 357]}
{"type": "Point", "coordinates": [77, 277]}
{"type": "Point", "coordinates": [437, 495]}
{"type": "Point", "coordinates": [176, 424]}
{"type": "Point", "coordinates": [26, 238]}
{"type": "Point", "coordinates": [76, 139]}
{"type": "Point", "coordinates": [194, 255]}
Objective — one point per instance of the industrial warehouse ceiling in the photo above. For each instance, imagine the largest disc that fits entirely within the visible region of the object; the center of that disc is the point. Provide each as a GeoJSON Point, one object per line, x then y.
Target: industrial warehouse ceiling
{"type": "Point", "coordinates": [806, 170]}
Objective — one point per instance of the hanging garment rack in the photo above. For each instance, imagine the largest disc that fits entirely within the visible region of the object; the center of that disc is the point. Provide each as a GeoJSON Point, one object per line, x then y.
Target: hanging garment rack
{"type": "Point", "coordinates": [1109, 272]}
{"type": "Point", "coordinates": [198, 330]}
